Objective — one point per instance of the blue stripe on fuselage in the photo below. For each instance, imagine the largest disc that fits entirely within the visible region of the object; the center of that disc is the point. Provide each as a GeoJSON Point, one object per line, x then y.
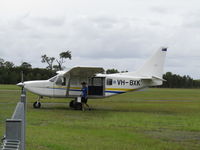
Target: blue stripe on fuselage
{"type": "Point", "coordinates": [117, 92]}
{"type": "Point", "coordinates": [77, 90]}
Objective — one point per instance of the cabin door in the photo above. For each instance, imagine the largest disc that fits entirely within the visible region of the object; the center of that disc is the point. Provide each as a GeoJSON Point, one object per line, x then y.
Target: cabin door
{"type": "Point", "coordinates": [96, 86]}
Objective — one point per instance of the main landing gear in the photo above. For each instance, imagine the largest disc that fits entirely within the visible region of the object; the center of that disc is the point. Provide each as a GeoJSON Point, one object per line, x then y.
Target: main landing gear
{"type": "Point", "coordinates": [75, 104]}
{"type": "Point", "coordinates": [37, 104]}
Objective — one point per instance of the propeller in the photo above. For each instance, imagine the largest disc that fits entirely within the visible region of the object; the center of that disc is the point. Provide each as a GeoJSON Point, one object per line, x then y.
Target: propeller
{"type": "Point", "coordinates": [21, 84]}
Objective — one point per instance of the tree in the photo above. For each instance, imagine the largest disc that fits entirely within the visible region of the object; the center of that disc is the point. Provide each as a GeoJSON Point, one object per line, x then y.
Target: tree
{"type": "Point", "coordinates": [60, 61]}
{"type": "Point", "coordinates": [8, 64]}
{"type": "Point", "coordinates": [26, 65]}
{"type": "Point", "coordinates": [111, 71]}
{"type": "Point", "coordinates": [48, 60]}
{"type": "Point", "coordinates": [1, 62]}
{"type": "Point", "coordinates": [177, 81]}
{"type": "Point", "coordinates": [63, 55]}
{"type": "Point", "coordinates": [56, 67]}
{"type": "Point", "coordinates": [124, 71]}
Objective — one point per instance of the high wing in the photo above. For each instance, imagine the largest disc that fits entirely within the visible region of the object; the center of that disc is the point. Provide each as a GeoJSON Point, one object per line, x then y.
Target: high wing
{"type": "Point", "coordinates": [84, 71]}
{"type": "Point", "coordinates": [75, 76]}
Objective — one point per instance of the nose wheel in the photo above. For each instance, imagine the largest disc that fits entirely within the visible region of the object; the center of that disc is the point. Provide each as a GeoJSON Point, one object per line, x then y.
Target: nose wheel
{"type": "Point", "coordinates": [37, 104]}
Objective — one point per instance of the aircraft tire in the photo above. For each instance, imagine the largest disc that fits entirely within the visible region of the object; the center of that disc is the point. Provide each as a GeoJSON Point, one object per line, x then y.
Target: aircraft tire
{"type": "Point", "coordinates": [71, 104]}
{"type": "Point", "coordinates": [36, 105]}
{"type": "Point", "coordinates": [78, 106]}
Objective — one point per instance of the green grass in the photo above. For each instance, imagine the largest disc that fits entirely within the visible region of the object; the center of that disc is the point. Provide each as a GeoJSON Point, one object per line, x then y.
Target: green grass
{"type": "Point", "coordinates": [156, 119]}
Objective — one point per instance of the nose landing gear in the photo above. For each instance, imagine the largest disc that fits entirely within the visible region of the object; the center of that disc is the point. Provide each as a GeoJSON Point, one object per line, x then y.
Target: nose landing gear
{"type": "Point", "coordinates": [37, 104]}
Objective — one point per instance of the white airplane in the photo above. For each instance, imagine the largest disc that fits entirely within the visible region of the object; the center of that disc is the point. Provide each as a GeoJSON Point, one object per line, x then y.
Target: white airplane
{"type": "Point", "coordinates": [68, 83]}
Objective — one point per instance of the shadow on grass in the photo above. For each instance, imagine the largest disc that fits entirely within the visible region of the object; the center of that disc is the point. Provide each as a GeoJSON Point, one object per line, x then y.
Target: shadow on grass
{"type": "Point", "coordinates": [51, 106]}
{"type": "Point", "coordinates": [107, 109]}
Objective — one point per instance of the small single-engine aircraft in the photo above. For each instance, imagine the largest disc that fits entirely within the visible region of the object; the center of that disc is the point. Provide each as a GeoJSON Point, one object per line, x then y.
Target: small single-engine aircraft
{"type": "Point", "coordinates": [68, 83]}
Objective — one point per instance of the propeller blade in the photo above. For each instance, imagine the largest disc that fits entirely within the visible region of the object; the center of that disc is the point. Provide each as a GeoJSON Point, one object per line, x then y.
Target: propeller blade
{"type": "Point", "coordinates": [21, 84]}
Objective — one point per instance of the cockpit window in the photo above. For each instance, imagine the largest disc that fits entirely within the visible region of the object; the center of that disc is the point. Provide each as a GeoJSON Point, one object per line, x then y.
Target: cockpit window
{"type": "Point", "coordinates": [53, 79]}
{"type": "Point", "coordinates": [59, 80]}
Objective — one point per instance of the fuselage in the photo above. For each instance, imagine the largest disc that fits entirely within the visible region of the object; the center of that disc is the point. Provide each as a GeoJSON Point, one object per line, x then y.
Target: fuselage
{"type": "Point", "coordinates": [99, 86]}
{"type": "Point", "coordinates": [68, 83]}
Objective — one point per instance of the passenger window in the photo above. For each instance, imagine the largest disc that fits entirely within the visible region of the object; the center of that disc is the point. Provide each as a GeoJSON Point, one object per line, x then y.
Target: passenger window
{"type": "Point", "coordinates": [109, 81]}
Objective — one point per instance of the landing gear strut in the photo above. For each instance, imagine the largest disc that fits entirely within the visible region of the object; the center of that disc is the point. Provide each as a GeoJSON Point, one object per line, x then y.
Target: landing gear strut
{"type": "Point", "coordinates": [74, 104]}
{"type": "Point", "coordinates": [37, 104]}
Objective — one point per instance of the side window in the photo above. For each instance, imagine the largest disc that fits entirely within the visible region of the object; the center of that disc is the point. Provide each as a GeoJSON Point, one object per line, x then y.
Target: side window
{"type": "Point", "coordinates": [109, 81]}
{"type": "Point", "coordinates": [64, 81]}
{"type": "Point", "coordinates": [59, 81]}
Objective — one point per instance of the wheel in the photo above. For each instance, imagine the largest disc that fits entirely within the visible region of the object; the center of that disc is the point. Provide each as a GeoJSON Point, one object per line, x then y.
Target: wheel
{"type": "Point", "coordinates": [75, 105]}
{"type": "Point", "coordinates": [71, 104]}
{"type": "Point", "coordinates": [37, 105]}
{"type": "Point", "coordinates": [78, 106]}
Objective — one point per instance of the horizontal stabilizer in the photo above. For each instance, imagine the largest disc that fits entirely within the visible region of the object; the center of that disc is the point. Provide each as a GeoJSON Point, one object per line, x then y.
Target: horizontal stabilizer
{"type": "Point", "coordinates": [152, 78]}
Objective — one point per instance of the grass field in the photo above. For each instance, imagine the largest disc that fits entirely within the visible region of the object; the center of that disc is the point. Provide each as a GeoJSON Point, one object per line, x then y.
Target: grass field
{"type": "Point", "coordinates": [156, 119]}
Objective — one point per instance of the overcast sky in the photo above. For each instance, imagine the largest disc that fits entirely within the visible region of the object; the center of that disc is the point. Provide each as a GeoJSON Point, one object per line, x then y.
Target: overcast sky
{"type": "Point", "coordinates": [119, 34]}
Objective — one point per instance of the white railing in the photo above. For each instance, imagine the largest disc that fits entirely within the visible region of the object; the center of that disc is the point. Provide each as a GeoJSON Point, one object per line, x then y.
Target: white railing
{"type": "Point", "coordinates": [14, 138]}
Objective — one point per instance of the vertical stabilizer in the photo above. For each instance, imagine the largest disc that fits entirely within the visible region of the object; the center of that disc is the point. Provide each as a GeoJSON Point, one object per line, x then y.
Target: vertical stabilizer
{"type": "Point", "coordinates": [154, 66]}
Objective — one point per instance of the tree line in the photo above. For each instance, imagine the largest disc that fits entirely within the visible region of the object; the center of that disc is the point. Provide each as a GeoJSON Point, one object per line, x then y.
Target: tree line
{"type": "Point", "coordinates": [11, 74]}
{"type": "Point", "coordinates": [177, 81]}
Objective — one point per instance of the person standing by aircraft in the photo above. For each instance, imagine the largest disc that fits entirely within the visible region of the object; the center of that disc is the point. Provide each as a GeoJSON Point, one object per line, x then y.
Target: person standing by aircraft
{"type": "Point", "coordinates": [84, 95]}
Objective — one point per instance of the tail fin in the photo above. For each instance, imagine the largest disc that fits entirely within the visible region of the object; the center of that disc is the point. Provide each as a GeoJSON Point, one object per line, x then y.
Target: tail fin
{"type": "Point", "coordinates": [154, 66]}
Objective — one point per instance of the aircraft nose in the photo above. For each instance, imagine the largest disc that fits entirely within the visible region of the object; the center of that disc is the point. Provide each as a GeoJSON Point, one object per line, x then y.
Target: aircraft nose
{"type": "Point", "coordinates": [20, 84]}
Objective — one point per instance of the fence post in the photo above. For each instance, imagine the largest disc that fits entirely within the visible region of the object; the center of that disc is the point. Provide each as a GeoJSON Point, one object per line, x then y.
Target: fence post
{"type": "Point", "coordinates": [15, 135]}
{"type": "Point", "coordinates": [23, 100]}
